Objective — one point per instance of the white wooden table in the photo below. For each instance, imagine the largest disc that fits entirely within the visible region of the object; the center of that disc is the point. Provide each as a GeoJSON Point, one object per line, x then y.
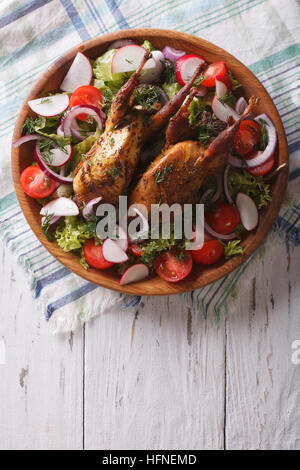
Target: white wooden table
{"type": "Point", "coordinates": [164, 379]}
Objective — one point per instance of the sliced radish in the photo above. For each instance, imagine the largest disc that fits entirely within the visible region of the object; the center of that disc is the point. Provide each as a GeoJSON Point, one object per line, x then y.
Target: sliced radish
{"type": "Point", "coordinates": [80, 73]}
{"type": "Point", "coordinates": [112, 252]}
{"type": "Point", "coordinates": [49, 172]}
{"type": "Point", "coordinates": [60, 207]}
{"type": "Point", "coordinates": [248, 211]}
{"type": "Point", "coordinates": [153, 74]}
{"type": "Point", "coordinates": [135, 273]}
{"type": "Point", "coordinates": [88, 209]}
{"type": "Point", "coordinates": [57, 157]}
{"type": "Point", "coordinates": [223, 85]}
{"type": "Point", "coordinates": [223, 111]}
{"type": "Point", "coordinates": [128, 59]}
{"type": "Point", "coordinates": [186, 66]}
{"type": "Point", "coordinates": [120, 237]}
{"type": "Point", "coordinates": [50, 105]}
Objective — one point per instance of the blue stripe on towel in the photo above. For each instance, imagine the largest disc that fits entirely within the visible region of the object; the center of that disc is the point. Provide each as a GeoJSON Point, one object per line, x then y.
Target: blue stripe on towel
{"type": "Point", "coordinates": [95, 15]}
{"type": "Point", "coordinates": [68, 298]}
{"type": "Point", "coordinates": [50, 279]}
{"type": "Point", "coordinates": [76, 20]}
{"type": "Point", "coordinates": [22, 11]}
{"type": "Point", "coordinates": [116, 12]}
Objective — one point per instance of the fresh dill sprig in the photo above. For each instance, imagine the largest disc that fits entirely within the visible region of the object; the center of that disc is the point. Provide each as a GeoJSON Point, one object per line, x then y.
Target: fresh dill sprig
{"type": "Point", "coordinates": [45, 147]}
{"type": "Point", "coordinates": [229, 99]}
{"type": "Point", "coordinates": [232, 248]}
{"type": "Point", "coordinates": [159, 175]}
{"type": "Point", "coordinates": [46, 227]}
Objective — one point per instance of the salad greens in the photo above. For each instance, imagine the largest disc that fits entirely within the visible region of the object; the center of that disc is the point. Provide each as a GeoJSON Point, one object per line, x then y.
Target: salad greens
{"type": "Point", "coordinates": [81, 148]}
{"type": "Point", "coordinates": [171, 89]}
{"type": "Point", "coordinates": [154, 247]}
{"type": "Point", "coordinates": [146, 95]}
{"type": "Point", "coordinates": [73, 232]}
{"type": "Point", "coordinates": [253, 186]}
{"type": "Point", "coordinates": [148, 46]}
{"type": "Point", "coordinates": [235, 83]}
{"type": "Point", "coordinates": [232, 248]}
{"type": "Point", "coordinates": [46, 127]}
{"type": "Point", "coordinates": [229, 99]}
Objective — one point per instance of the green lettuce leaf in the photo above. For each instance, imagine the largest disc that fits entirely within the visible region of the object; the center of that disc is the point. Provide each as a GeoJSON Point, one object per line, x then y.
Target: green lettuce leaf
{"type": "Point", "coordinates": [81, 149]}
{"type": "Point", "coordinates": [73, 233]}
{"type": "Point", "coordinates": [254, 186]}
{"type": "Point", "coordinates": [46, 127]}
{"type": "Point", "coordinates": [102, 71]}
{"type": "Point", "coordinates": [171, 89]}
{"type": "Point", "coordinates": [148, 46]}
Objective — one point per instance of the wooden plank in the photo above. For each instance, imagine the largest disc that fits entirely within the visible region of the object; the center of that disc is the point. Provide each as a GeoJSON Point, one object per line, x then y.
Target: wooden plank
{"type": "Point", "coordinates": [262, 410]}
{"type": "Point", "coordinates": [154, 380]}
{"type": "Point", "coordinates": [41, 385]}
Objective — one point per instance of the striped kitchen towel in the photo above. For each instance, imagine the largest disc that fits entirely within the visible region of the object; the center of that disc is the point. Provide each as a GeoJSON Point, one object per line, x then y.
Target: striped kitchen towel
{"type": "Point", "coordinates": [33, 33]}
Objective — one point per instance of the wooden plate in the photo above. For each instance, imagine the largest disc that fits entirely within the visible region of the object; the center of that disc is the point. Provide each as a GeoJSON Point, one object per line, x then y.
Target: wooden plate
{"type": "Point", "coordinates": [50, 81]}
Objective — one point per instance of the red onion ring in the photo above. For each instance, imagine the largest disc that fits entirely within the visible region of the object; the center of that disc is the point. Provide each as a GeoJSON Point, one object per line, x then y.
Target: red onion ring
{"type": "Point", "coordinates": [59, 131]}
{"type": "Point", "coordinates": [96, 113]}
{"type": "Point", "coordinates": [217, 192]}
{"type": "Point", "coordinates": [229, 236]}
{"type": "Point", "coordinates": [236, 162]}
{"type": "Point", "coordinates": [262, 157]}
{"type": "Point", "coordinates": [225, 184]}
{"type": "Point", "coordinates": [48, 172]}
{"type": "Point", "coordinates": [241, 105]}
{"type": "Point", "coordinates": [28, 138]}
{"type": "Point", "coordinates": [172, 54]}
{"type": "Point", "coordinates": [163, 97]}
{"type": "Point", "coordinates": [87, 211]}
{"type": "Point", "coordinates": [77, 132]}
{"type": "Point", "coordinates": [205, 196]}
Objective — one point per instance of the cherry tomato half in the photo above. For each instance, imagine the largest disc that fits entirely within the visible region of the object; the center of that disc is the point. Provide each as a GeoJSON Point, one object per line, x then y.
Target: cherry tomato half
{"type": "Point", "coordinates": [94, 255]}
{"type": "Point", "coordinates": [173, 265]}
{"type": "Point", "coordinates": [86, 94]}
{"type": "Point", "coordinates": [135, 249]}
{"type": "Point", "coordinates": [210, 252]}
{"type": "Point", "coordinates": [223, 219]}
{"type": "Point", "coordinates": [247, 137]}
{"type": "Point", "coordinates": [35, 184]}
{"type": "Point", "coordinates": [262, 169]}
{"type": "Point", "coordinates": [217, 68]}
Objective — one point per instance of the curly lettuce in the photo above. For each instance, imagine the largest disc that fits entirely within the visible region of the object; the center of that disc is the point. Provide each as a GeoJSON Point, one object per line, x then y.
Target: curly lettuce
{"type": "Point", "coordinates": [171, 89]}
{"type": "Point", "coordinates": [46, 127]}
{"type": "Point", "coordinates": [103, 77]}
{"type": "Point", "coordinates": [73, 233]}
{"type": "Point", "coordinates": [253, 186]}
